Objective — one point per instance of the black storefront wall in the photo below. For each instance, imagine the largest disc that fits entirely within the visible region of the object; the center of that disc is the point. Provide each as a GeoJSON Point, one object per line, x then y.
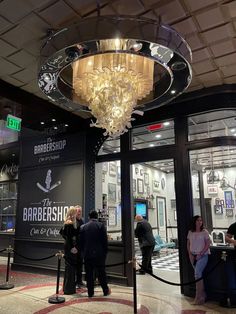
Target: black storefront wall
{"type": "Point", "coordinates": [51, 178]}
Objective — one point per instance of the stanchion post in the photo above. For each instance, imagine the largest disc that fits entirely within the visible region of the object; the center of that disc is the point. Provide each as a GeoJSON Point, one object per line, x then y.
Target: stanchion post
{"type": "Point", "coordinates": [134, 285]}
{"type": "Point", "coordinates": [227, 302]}
{"type": "Point", "coordinates": [7, 285]}
{"type": "Point", "coordinates": [56, 299]}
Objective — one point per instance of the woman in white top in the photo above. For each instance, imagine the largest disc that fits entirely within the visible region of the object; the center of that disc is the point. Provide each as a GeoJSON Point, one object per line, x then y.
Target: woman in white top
{"type": "Point", "coordinates": [198, 242]}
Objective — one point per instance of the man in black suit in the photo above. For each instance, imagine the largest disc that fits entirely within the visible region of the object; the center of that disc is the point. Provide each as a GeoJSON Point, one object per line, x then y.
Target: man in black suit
{"type": "Point", "coordinates": [93, 239]}
{"type": "Point", "coordinates": [143, 232]}
{"type": "Point", "coordinates": [79, 270]}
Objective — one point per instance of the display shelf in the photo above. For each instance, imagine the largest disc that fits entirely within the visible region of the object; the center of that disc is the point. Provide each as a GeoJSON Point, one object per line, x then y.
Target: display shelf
{"type": "Point", "coordinates": [8, 201]}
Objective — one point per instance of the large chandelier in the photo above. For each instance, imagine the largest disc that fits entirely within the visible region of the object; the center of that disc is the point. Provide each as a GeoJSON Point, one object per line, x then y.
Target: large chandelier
{"type": "Point", "coordinates": [114, 67]}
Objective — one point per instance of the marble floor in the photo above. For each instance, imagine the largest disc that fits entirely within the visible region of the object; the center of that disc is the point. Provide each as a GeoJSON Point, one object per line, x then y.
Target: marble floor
{"type": "Point", "coordinates": [32, 292]}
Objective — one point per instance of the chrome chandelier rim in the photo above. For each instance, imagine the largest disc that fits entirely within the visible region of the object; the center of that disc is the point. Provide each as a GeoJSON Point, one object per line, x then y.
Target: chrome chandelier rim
{"type": "Point", "coordinates": [161, 43]}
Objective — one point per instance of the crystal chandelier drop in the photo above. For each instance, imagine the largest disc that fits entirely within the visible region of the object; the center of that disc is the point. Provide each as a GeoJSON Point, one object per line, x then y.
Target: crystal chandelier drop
{"type": "Point", "coordinates": [112, 67]}
{"type": "Point", "coordinates": [111, 84]}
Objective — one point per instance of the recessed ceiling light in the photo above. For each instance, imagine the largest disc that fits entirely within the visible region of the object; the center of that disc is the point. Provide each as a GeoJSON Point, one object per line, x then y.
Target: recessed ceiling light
{"type": "Point", "coordinates": [151, 145]}
{"type": "Point", "coordinates": [232, 130]}
{"type": "Point", "coordinates": [13, 155]}
{"type": "Point", "coordinates": [158, 136]}
{"type": "Point", "coordinates": [66, 125]}
{"type": "Point", "coordinates": [55, 127]}
{"type": "Point", "coordinates": [115, 151]}
{"type": "Point", "coordinates": [41, 122]}
{"type": "Point", "coordinates": [173, 91]}
{"type": "Point", "coordinates": [166, 123]}
{"type": "Point", "coordinates": [53, 120]}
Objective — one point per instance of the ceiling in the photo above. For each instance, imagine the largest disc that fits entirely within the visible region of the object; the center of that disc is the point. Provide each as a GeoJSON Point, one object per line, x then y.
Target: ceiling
{"type": "Point", "coordinates": [209, 27]}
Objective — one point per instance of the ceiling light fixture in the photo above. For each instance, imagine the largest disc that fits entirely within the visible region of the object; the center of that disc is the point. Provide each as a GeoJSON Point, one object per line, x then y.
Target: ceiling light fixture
{"type": "Point", "coordinates": [114, 67]}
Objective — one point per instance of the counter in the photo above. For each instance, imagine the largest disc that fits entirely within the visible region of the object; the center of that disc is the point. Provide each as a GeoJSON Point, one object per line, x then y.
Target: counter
{"type": "Point", "coordinates": [220, 284]}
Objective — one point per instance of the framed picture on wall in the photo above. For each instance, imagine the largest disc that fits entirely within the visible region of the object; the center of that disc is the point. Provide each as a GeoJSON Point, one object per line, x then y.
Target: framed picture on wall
{"type": "Point", "coordinates": [111, 192]}
{"type": "Point", "coordinates": [140, 186]}
{"type": "Point", "coordinates": [155, 185]}
{"type": "Point", "coordinates": [161, 208]}
{"type": "Point", "coordinates": [173, 204]}
{"type": "Point", "coordinates": [219, 201]}
{"type": "Point", "coordinates": [229, 203]}
{"type": "Point", "coordinates": [119, 195]}
{"type": "Point", "coordinates": [134, 185]}
{"type": "Point", "coordinates": [175, 215]}
{"type": "Point", "coordinates": [136, 170]}
{"type": "Point", "coordinates": [146, 178]}
{"type": "Point", "coordinates": [229, 212]}
{"type": "Point", "coordinates": [141, 172]}
{"type": "Point", "coordinates": [104, 166]}
{"type": "Point", "coordinates": [118, 175]}
{"type": "Point", "coordinates": [218, 209]}
{"type": "Point", "coordinates": [163, 183]}
{"type": "Point", "coordinates": [112, 168]}
{"type": "Point", "coordinates": [212, 189]}
{"type": "Point", "coordinates": [112, 216]}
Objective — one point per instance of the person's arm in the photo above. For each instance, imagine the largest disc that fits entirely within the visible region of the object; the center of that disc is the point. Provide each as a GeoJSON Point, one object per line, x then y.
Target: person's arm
{"type": "Point", "coordinates": [191, 257]}
{"type": "Point", "coordinates": [206, 247]}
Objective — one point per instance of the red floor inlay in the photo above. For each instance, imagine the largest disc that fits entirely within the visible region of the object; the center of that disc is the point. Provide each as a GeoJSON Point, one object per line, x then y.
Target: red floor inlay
{"type": "Point", "coordinates": [142, 310]}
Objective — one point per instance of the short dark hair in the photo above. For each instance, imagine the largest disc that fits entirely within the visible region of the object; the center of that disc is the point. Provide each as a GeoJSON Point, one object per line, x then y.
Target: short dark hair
{"type": "Point", "coordinates": [93, 214]}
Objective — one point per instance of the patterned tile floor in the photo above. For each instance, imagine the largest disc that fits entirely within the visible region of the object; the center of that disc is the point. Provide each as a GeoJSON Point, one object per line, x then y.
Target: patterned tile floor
{"type": "Point", "coordinates": [31, 294]}
{"type": "Point", "coordinates": [166, 261]}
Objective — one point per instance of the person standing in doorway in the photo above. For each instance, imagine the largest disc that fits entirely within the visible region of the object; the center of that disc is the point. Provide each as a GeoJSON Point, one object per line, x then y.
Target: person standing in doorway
{"type": "Point", "coordinates": [198, 243]}
{"type": "Point", "coordinates": [94, 245]}
{"type": "Point", "coordinates": [69, 233]}
{"type": "Point", "coordinates": [79, 271]}
{"type": "Point", "coordinates": [143, 232]}
{"type": "Point", "coordinates": [230, 236]}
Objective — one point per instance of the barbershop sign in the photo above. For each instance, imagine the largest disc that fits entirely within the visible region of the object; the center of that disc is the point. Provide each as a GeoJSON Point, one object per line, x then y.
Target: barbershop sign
{"type": "Point", "coordinates": [46, 150]}
{"type": "Point", "coordinates": [53, 190]}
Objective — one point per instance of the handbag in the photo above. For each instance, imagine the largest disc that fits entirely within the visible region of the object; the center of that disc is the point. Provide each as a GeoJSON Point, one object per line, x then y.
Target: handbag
{"type": "Point", "coordinates": [74, 250]}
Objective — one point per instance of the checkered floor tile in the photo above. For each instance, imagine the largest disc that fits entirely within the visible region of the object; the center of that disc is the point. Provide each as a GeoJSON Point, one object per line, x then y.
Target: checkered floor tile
{"type": "Point", "coordinates": [167, 262]}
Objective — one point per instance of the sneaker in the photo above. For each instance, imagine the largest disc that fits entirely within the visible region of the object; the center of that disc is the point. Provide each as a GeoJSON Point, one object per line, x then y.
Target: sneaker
{"type": "Point", "coordinates": [108, 292]}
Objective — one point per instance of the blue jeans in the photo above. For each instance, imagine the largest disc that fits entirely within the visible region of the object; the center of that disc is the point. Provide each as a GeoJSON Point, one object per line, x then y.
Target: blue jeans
{"type": "Point", "coordinates": [200, 266]}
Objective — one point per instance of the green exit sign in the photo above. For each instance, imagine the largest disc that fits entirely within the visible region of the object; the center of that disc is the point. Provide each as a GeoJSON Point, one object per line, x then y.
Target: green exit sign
{"type": "Point", "coordinates": [13, 122]}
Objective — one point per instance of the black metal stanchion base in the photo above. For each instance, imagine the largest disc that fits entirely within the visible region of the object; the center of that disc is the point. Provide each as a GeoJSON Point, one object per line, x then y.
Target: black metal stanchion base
{"type": "Point", "coordinates": [6, 286]}
{"type": "Point", "coordinates": [56, 299]}
{"type": "Point", "coordinates": [228, 302]}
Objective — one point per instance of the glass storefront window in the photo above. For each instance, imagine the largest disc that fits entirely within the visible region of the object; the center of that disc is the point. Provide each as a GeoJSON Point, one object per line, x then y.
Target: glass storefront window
{"type": "Point", "coordinates": [8, 199]}
{"type": "Point", "coordinates": [108, 197]}
{"type": "Point", "coordinates": [212, 124]}
{"type": "Point", "coordinates": [7, 135]}
{"type": "Point", "coordinates": [110, 146]}
{"type": "Point", "coordinates": [158, 134]}
{"type": "Point", "coordinates": [154, 197]}
{"type": "Point", "coordinates": [213, 174]}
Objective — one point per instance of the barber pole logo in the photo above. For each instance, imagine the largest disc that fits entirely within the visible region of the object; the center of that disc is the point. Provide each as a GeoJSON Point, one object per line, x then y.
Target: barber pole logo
{"type": "Point", "coordinates": [48, 187]}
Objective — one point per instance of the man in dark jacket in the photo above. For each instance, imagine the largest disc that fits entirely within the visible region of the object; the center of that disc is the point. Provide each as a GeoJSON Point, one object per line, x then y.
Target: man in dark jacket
{"type": "Point", "coordinates": [143, 232]}
{"type": "Point", "coordinates": [93, 240]}
{"type": "Point", "coordinates": [79, 270]}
